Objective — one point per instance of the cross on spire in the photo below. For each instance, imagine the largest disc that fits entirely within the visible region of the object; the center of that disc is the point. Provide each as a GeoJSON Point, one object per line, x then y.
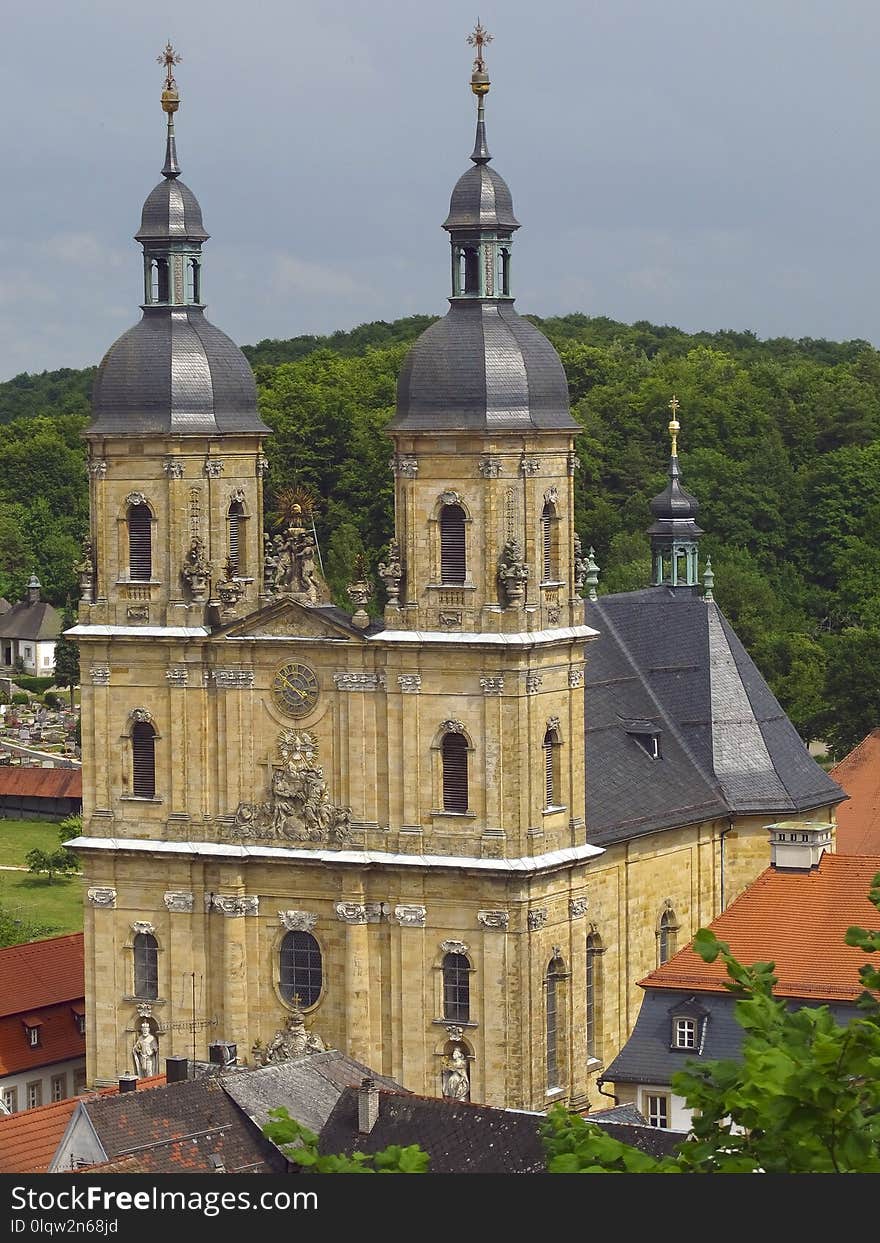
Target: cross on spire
{"type": "Point", "coordinates": [674, 425]}
{"type": "Point", "coordinates": [169, 58]}
{"type": "Point", "coordinates": [478, 40]}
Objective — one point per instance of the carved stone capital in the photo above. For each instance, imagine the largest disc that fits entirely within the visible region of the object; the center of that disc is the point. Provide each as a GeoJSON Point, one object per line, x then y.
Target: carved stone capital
{"type": "Point", "coordinates": [262, 465]}
{"type": "Point", "coordinates": [177, 675]}
{"type": "Point", "coordinates": [453, 947]}
{"type": "Point", "coordinates": [573, 462]}
{"type": "Point", "coordinates": [492, 685]}
{"type": "Point", "coordinates": [101, 895]}
{"type": "Point", "coordinates": [233, 679]}
{"type": "Point", "coordinates": [142, 927]}
{"type": "Point", "coordinates": [490, 467]}
{"type": "Point", "coordinates": [298, 921]}
{"type": "Point", "coordinates": [575, 678]}
{"type": "Point", "coordinates": [411, 916]}
{"type": "Point", "coordinates": [530, 466]}
{"type": "Point", "coordinates": [179, 901]}
{"type": "Point", "coordinates": [173, 467]}
{"type": "Point", "coordinates": [577, 907]}
{"type": "Point", "coordinates": [536, 918]}
{"type": "Point", "coordinates": [405, 464]}
{"type": "Point", "coordinates": [409, 683]}
{"type": "Point", "coordinates": [100, 675]}
{"type": "Point", "coordinates": [214, 467]}
{"type": "Point", "coordinates": [359, 912]}
{"type": "Point", "coordinates": [494, 919]}
{"type": "Point", "coordinates": [231, 905]}
{"type": "Point", "coordinates": [98, 469]}
{"type": "Point", "coordinates": [533, 683]}
{"type": "Point", "coordinates": [356, 681]}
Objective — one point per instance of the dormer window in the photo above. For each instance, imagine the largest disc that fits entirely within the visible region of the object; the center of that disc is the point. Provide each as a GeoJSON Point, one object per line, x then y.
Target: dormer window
{"type": "Point", "coordinates": [647, 735]}
{"type": "Point", "coordinates": [684, 1033]}
{"type": "Point", "coordinates": [687, 1025]}
{"type": "Point", "coordinates": [32, 1032]}
{"type": "Point", "coordinates": [79, 1018]}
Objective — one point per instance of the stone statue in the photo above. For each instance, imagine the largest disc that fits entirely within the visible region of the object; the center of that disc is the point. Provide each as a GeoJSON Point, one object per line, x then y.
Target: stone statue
{"type": "Point", "coordinates": [292, 1040]}
{"type": "Point", "coordinates": [456, 1083]}
{"type": "Point", "coordinates": [145, 1053]}
{"type": "Point", "coordinates": [294, 571]}
{"type": "Point", "coordinates": [197, 569]}
{"type": "Point", "coordinates": [300, 808]}
{"type": "Point", "coordinates": [512, 571]}
{"type": "Point", "coordinates": [391, 574]}
{"type": "Point", "coordinates": [85, 568]}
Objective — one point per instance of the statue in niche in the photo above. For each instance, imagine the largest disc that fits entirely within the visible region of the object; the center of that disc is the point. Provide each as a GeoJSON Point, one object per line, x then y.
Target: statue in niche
{"type": "Point", "coordinates": [145, 1052]}
{"type": "Point", "coordinates": [197, 569]}
{"type": "Point", "coordinates": [456, 1081]}
{"type": "Point", "coordinates": [292, 1040]}
{"type": "Point", "coordinates": [513, 572]}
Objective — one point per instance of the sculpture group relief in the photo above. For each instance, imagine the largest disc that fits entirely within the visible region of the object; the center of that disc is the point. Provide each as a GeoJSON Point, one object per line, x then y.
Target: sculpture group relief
{"type": "Point", "coordinates": [289, 565]}
{"type": "Point", "coordinates": [292, 1040]}
{"type": "Point", "coordinates": [299, 808]}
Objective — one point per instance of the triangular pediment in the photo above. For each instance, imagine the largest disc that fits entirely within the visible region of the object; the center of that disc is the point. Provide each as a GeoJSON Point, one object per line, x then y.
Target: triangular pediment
{"type": "Point", "coordinates": [289, 619]}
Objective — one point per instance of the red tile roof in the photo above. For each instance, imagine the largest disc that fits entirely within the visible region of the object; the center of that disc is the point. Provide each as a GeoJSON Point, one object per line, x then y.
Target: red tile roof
{"type": "Point", "coordinates": [28, 1139]}
{"type": "Point", "coordinates": [41, 782]}
{"type": "Point", "coordinates": [41, 973]}
{"type": "Point", "coordinates": [59, 1039]}
{"type": "Point", "coordinates": [858, 820]}
{"type": "Point", "coordinates": [797, 920]}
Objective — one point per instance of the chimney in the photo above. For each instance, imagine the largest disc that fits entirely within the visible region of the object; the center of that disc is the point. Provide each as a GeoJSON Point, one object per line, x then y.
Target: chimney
{"type": "Point", "coordinates": [798, 845]}
{"type": "Point", "coordinates": [176, 1069]}
{"type": "Point", "coordinates": [222, 1053]}
{"type": "Point", "coordinates": [128, 1083]}
{"type": "Point", "coordinates": [368, 1106]}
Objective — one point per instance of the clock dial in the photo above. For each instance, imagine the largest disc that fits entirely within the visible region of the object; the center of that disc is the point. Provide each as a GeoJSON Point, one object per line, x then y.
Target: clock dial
{"type": "Point", "coordinates": [295, 690]}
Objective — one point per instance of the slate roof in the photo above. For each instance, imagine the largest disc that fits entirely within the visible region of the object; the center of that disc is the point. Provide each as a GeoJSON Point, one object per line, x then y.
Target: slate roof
{"type": "Point", "coordinates": [179, 1128]}
{"type": "Point", "coordinates": [858, 819]}
{"type": "Point", "coordinates": [726, 747]}
{"type": "Point", "coordinates": [36, 621]}
{"type": "Point", "coordinates": [464, 1138]}
{"type": "Point", "coordinates": [308, 1086]}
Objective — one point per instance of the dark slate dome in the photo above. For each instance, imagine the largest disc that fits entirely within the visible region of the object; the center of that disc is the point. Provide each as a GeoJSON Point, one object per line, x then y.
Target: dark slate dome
{"type": "Point", "coordinates": [481, 199]}
{"type": "Point", "coordinates": [675, 501]}
{"type": "Point", "coordinates": [171, 212]}
{"type": "Point", "coordinates": [482, 367]}
{"type": "Point", "coordinates": [174, 372]}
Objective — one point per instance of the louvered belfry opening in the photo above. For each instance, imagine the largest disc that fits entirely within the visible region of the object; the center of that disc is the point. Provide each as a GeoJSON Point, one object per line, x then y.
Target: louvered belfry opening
{"type": "Point", "coordinates": [551, 775]}
{"type": "Point", "coordinates": [146, 966]}
{"type": "Point", "coordinates": [452, 544]}
{"type": "Point", "coordinates": [454, 750]}
{"type": "Point", "coordinates": [140, 543]}
{"type": "Point", "coordinates": [549, 558]}
{"type": "Point", "coordinates": [143, 760]}
{"type": "Point", "coordinates": [235, 521]}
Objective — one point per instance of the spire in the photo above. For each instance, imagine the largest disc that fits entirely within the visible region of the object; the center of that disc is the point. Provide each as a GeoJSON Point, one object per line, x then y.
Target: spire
{"type": "Point", "coordinates": [170, 103]}
{"type": "Point", "coordinates": [674, 532]}
{"type": "Point", "coordinates": [480, 87]}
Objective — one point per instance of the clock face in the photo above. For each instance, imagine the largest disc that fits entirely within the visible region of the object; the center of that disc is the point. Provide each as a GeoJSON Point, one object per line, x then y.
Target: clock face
{"type": "Point", "coordinates": [295, 690]}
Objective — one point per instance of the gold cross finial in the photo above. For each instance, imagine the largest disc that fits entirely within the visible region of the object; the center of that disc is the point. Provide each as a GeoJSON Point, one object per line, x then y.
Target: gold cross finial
{"type": "Point", "coordinates": [674, 425]}
{"type": "Point", "coordinates": [479, 39]}
{"type": "Point", "coordinates": [169, 58]}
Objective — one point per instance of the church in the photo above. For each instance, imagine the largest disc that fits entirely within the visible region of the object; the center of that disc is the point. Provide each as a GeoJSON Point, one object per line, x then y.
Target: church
{"type": "Point", "coordinates": [450, 841]}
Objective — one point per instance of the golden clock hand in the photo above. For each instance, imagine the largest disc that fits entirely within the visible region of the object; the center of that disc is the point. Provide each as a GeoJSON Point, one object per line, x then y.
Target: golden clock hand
{"type": "Point", "coordinates": [291, 687]}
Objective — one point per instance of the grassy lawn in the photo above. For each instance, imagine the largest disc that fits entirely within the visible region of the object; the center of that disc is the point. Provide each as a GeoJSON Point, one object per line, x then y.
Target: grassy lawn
{"type": "Point", "coordinates": [59, 905]}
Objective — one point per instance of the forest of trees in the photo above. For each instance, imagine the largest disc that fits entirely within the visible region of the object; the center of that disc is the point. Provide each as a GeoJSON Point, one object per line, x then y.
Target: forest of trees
{"type": "Point", "coordinates": [780, 442]}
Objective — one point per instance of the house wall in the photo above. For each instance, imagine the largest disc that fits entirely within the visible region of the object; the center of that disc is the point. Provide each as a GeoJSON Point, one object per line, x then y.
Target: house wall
{"type": "Point", "coordinates": [73, 1070]}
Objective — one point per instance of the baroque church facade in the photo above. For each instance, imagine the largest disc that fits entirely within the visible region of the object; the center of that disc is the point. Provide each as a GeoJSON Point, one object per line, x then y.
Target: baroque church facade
{"type": "Point", "coordinates": [450, 840]}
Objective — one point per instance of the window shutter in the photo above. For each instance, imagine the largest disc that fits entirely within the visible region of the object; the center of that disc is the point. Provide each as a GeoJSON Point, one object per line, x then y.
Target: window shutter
{"type": "Point", "coordinates": [452, 544]}
{"type": "Point", "coordinates": [546, 519]}
{"type": "Point", "coordinates": [140, 552]}
{"type": "Point", "coordinates": [455, 774]}
{"type": "Point", "coordinates": [143, 760]}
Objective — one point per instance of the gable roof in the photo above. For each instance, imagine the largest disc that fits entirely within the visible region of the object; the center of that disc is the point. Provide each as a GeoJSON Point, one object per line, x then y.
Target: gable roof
{"type": "Point", "coordinates": [26, 620]}
{"type": "Point", "coordinates": [180, 1127]}
{"type": "Point", "coordinates": [59, 1038]}
{"type": "Point", "coordinates": [289, 618]}
{"type": "Point", "coordinates": [41, 973]}
{"type": "Point", "coordinates": [32, 782]}
{"type": "Point", "coordinates": [858, 819]}
{"type": "Point", "coordinates": [796, 919]}
{"type": "Point", "coordinates": [463, 1138]}
{"type": "Point", "coordinates": [308, 1087]}
{"type": "Point", "coordinates": [670, 660]}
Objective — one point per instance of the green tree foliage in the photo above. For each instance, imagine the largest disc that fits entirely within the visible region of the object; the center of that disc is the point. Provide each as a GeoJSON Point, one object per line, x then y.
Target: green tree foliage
{"type": "Point", "coordinates": [67, 659]}
{"type": "Point", "coordinates": [16, 928]}
{"type": "Point", "coordinates": [51, 864]}
{"type": "Point", "coordinates": [803, 1098]}
{"type": "Point", "coordinates": [780, 442]}
{"type": "Point", "coordinates": [300, 1145]}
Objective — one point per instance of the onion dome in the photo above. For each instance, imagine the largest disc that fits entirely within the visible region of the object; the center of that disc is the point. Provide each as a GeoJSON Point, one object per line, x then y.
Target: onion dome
{"type": "Point", "coordinates": [482, 367]}
{"type": "Point", "coordinates": [674, 533]}
{"type": "Point", "coordinates": [174, 372]}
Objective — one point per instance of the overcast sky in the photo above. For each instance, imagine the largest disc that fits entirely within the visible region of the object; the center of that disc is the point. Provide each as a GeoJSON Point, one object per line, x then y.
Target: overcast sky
{"type": "Point", "coordinates": [705, 163]}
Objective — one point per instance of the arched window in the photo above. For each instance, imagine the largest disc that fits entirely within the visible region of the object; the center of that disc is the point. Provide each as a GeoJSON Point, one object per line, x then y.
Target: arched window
{"type": "Point", "coordinates": [452, 545]}
{"type": "Point", "coordinates": [552, 796]}
{"type": "Point", "coordinates": [505, 272]}
{"type": "Point", "coordinates": [666, 938]}
{"type": "Point", "coordinates": [162, 280]}
{"type": "Point", "coordinates": [555, 976]}
{"type": "Point", "coordinates": [454, 752]}
{"type": "Point", "coordinates": [456, 988]}
{"type": "Point", "coordinates": [143, 760]}
{"type": "Point", "coordinates": [146, 966]}
{"type": "Point", "coordinates": [235, 529]}
{"type": "Point", "coordinates": [140, 548]}
{"type": "Point", "coordinates": [471, 270]}
{"type": "Point", "coordinates": [193, 280]}
{"type": "Point", "coordinates": [301, 973]}
{"type": "Point", "coordinates": [549, 544]}
{"type": "Point", "coordinates": [594, 995]}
